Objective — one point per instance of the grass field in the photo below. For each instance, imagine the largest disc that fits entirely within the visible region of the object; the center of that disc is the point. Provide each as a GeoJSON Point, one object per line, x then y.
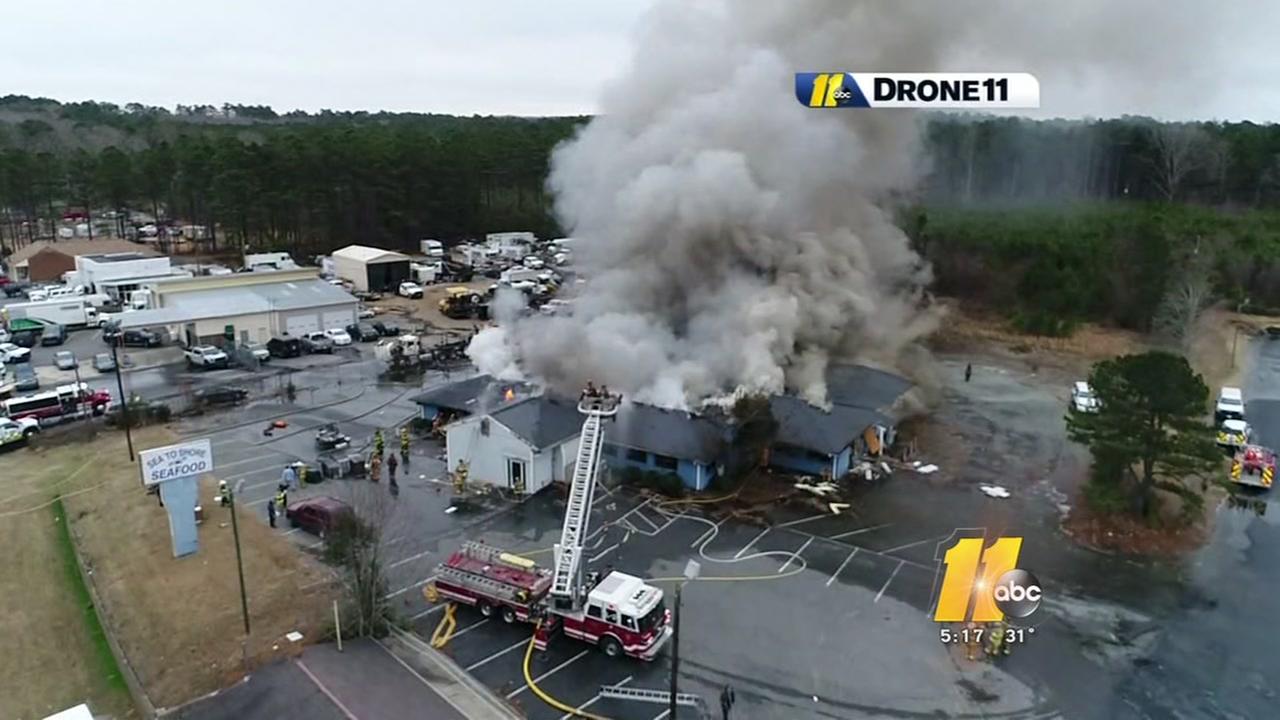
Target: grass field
{"type": "Point", "coordinates": [178, 621]}
{"type": "Point", "coordinates": [55, 653]}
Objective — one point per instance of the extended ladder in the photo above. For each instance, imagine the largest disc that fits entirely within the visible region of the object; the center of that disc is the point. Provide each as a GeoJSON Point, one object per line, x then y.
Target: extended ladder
{"type": "Point", "coordinates": [661, 697]}
{"type": "Point", "coordinates": [490, 586]}
{"type": "Point", "coordinates": [567, 581]}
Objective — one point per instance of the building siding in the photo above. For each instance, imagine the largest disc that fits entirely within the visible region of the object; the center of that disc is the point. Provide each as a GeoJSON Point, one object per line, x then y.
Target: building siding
{"type": "Point", "coordinates": [488, 455]}
{"type": "Point", "coordinates": [687, 470]}
{"type": "Point", "coordinates": [797, 460]}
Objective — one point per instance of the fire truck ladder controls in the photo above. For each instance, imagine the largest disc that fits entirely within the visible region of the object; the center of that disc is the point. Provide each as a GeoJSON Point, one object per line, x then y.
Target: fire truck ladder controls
{"type": "Point", "coordinates": [567, 586]}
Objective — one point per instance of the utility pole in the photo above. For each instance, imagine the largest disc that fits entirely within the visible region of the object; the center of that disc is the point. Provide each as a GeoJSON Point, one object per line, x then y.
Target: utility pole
{"type": "Point", "coordinates": [235, 533]}
{"type": "Point", "coordinates": [124, 403]}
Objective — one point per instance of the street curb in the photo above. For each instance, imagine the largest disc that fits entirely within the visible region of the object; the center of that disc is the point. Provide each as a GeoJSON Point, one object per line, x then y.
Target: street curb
{"type": "Point", "coordinates": [491, 706]}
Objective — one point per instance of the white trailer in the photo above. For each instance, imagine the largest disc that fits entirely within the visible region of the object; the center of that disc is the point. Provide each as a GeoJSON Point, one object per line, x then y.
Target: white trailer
{"type": "Point", "coordinates": [518, 274]}
{"type": "Point", "coordinates": [432, 248]}
{"type": "Point", "coordinates": [70, 312]}
{"type": "Point", "coordinates": [425, 273]}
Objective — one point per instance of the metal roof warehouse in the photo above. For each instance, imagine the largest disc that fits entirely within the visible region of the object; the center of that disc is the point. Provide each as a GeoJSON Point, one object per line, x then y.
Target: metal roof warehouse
{"type": "Point", "coordinates": [251, 307]}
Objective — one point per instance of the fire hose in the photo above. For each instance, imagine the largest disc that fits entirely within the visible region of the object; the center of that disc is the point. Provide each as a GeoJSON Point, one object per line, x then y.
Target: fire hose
{"type": "Point", "coordinates": [528, 679]}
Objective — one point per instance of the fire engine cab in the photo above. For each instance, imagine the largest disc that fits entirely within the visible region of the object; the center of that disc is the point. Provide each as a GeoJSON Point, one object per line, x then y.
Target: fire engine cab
{"type": "Point", "coordinates": [619, 613]}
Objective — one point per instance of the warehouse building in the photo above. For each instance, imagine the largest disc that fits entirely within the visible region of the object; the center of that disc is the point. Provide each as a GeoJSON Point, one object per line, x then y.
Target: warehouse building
{"type": "Point", "coordinates": [244, 307]}
{"type": "Point", "coordinates": [371, 269]}
{"type": "Point", "coordinates": [101, 272]}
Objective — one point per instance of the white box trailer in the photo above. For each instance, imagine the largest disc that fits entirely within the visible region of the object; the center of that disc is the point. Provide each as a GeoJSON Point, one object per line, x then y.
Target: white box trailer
{"type": "Point", "coordinates": [432, 248]}
{"type": "Point", "coordinates": [70, 312]}
{"type": "Point", "coordinates": [424, 273]}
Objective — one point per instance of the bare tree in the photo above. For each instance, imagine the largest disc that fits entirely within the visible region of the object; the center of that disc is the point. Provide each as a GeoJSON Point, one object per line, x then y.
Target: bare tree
{"type": "Point", "coordinates": [1180, 149]}
{"type": "Point", "coordinates": [1177, 314]}
{"type": "Point", "coordinates": [357, 545]}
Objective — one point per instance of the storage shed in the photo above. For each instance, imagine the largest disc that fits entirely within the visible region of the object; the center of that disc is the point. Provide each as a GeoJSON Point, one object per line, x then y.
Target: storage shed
{"type": "Point", "coordinates": [371, 269]}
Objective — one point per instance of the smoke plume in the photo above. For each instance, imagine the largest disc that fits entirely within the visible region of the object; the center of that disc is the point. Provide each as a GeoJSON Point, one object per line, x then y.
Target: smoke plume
{"type": "Point", "coordinates": [735, 240]}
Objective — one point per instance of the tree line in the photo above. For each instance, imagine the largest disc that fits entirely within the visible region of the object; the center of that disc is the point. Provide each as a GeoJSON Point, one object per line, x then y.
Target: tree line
{"type": "Point", "coordinates": [1059, 221]}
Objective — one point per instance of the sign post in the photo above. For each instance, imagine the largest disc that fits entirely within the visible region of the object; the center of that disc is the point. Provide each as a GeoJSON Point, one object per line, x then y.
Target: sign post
{"type": "Point", "coordinates": [176, 469]}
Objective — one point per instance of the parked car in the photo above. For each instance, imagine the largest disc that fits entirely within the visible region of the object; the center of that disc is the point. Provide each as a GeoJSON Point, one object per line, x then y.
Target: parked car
{"type": "Point", "coordinates": [317, 342]}
{"type": "Point", "coordinates": [386, 329]}
{"type": "Point", "coordinates": [53, 335]}
{"type": "Point", "coordinates": [16, 289]}
{"type": "Point", "coordinates": [25, 338]}
{"type": "Point", "coordinates": [259, 351]}
{"type": "Point", "coordinates": [285, 346]}
{"type": "Point", "coordinates": [339, 336]}
{"type": "Point", "coordinates": [25, 377]}
{"type": "Point", "coordinates": [317, 515]}
{"type": "Point", "coordinates": [1082, 398]}
{"type": "Point", "coordinates": [104, 363]}
{"type": "Point", "coordinates": [206, 356]}
{"type": "Point", "coordinates": [64, 360]}
{"type": "Point", "coordinates": [11, 353]}
{"type": "Point", "coordinates": [365, 313]}
{"type": "Point", "coordinates": [221, 395]}
{"type": "Point", "coordinates": [363, 332]}
{"type": "Point", "coordinates": [410, 290]}
{"type": "Point", "coordinates": [132, 338]}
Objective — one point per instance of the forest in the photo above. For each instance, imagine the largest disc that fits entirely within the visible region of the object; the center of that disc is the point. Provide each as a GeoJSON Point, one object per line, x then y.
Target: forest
{"type": "Point", "coordinates": [1054, 221]}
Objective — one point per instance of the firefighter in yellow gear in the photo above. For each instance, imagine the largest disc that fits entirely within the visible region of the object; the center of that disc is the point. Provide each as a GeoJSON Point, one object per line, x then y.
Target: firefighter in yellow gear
{"type": "Point", "coordinates": [998, 641]}
{"type": "Point", "coordinates": [282, 499]}
{"type": "Point", "coordinates": [972, 640]}
{"type": "Point", "coordinates": [378, 444]}
{"type": "Point", "coordinates": [404, 444]}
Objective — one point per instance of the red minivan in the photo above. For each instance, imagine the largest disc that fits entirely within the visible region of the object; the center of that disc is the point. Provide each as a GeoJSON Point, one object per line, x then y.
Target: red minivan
{"type": "Point", "coordinates": [316, 515]}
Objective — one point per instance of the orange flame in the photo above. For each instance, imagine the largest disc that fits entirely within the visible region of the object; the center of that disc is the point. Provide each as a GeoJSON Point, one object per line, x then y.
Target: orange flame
{"type": "Point", "coordinates": [509, 395]}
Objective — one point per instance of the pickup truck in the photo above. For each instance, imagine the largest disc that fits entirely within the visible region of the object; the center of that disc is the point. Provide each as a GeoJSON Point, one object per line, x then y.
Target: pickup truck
{"type": "Point", "coordinates": [206, 356]}
{"type": "Point", "coordinates": [17, 431]}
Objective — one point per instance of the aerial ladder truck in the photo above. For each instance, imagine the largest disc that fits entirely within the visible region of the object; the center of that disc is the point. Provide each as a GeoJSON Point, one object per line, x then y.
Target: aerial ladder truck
{"type": "Point", "coordinates": [619, 613]}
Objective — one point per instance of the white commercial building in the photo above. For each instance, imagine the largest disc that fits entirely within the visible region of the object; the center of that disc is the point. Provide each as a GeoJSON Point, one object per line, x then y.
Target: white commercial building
{"type": "Point", "coordinates": [523, 446]}
{"type": "Point", "coordinates": [371, 269]}
{"type": "Point", "coordinates": [249, 307]}
{"type": "Point", "coordinates": [93, 271]}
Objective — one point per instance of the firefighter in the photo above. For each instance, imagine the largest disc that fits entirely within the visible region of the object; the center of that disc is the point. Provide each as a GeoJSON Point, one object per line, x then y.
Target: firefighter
{"type": "Point", "coordinates": [404, 445]}
{"type": "Point", "coordinates": [271, 512]}
{"type": "Point", "coordinates": [996, 639]}
{"type": "Point", "coordinates": [378, 444]}
{"type": "Point", "coordinates": [391, 467]}
{"type": "Point", "coordinates": [282, 499]}
{"type": "Point", "coordinates": [223, 494]}
{"type": "Point", "coordinates": [972, 643]}
{"type": "Point", "coordinates": [590, 392]}
{"type": "Point", "coordinates": [968, 372]}
{"type": "Point", "coordinates": [375, 467]}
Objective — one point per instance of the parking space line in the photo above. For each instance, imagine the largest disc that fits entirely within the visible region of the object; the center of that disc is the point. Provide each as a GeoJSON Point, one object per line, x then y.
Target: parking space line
{"type": "Point", "coordinates": [662, 714]}
{"type": "Point", "coordinates": [859, 531]}
{"type": "Point", "coordinates": [709, 531]}
{"type": "Point", "coordinates": [794, 555]}
{"type": "Point", "coordinates": [495, 656]}
{"type": "Point", "coordinates": [406, 589]}
{"type": "Point", "coordinates": [469, 628]}
{"type": "Point", "coordinates": [593, 700]}
{"type": "Point", "coordinates": [753, 542]}
{"type": "Point", "coordinates": [290, 532]}
{"type": "Point", "coordinates": [258, 458]}
{"type": "Point", "coordinates": [603, 552]}
{"type": "Point", "coordinates": [549, 673]}
{"type": "Point", "coordinates": [327, 693]}
{"type": "Point", "coordinates": [837, 572]}
{"type": "Point", "coordinates": [892, 575]}
{"type": "Point", "coordinates": [428, 611]}
{"type": "Point", "coordinates": [803, 520]}
{"type": "Point", "coordinates": [411, 558]}
{"type": "Point", "coordinates": [418, 675]}
{"type": "Point", "coordinates": [913, 544]}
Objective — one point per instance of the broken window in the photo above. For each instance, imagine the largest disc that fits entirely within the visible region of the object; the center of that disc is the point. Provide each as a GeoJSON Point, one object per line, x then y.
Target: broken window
{"type": "Point", "coordinates": [639, 456]}
{"type": "Point", "coordinates": [610, 451]}
{"type": "Point", "coordinates": [666, 462]}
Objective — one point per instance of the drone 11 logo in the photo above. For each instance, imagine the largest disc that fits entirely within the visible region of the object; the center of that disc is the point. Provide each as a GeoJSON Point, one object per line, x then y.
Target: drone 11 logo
{"type": "Point", "coordinates": [986, 579]}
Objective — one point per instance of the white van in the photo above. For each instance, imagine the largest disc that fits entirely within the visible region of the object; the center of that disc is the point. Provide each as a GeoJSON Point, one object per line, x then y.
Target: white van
{"type": "Point", "coordinates": [1230, 405]}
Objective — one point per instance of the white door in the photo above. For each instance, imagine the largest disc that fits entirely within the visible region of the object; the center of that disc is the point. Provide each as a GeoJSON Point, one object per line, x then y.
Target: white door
{"type": "Point", "coordinates": [299, 325]}
{"type": "Point", "coordinates": [339, 318]}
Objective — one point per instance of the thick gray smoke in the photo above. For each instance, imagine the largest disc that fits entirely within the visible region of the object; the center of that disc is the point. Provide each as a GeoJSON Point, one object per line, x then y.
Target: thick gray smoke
{"type": "Point", "coordinates": [734, 239]}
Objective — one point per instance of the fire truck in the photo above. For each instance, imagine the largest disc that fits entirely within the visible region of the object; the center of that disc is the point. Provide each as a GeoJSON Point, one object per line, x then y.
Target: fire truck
{"type": "Point", "coordinates": [619, 613]}
{"type": "Point", "coordinates": [1254, 465]}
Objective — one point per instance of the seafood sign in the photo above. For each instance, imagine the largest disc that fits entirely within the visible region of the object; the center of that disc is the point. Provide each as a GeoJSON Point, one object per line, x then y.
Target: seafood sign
{"type": "Point", "coordinates": [187, 459]}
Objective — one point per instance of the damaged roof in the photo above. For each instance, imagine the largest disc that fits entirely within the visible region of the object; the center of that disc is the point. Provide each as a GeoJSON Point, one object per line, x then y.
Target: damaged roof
{"type": "Point", "coordinates": [864, 387]}
{"type": "Point", "coordinates": [541, 421]}
{"type": "Point", "coordinates": [477, 394]}
{"type": "Point", "coordinates": [674, 433]}
{"type": "Point", "coordinates": [812, 428]}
